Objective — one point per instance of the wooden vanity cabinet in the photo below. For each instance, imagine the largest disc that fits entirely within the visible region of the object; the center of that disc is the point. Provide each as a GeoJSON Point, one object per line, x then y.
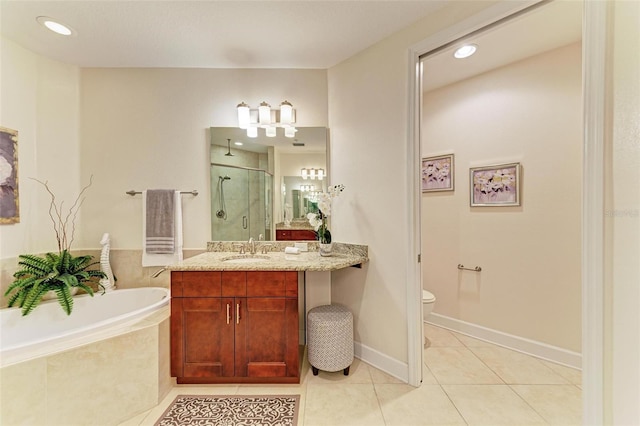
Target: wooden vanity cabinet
{"type": "Point", "coordinates": [295, 235]}
{"type": "Point", "coordinates": [234, 326]}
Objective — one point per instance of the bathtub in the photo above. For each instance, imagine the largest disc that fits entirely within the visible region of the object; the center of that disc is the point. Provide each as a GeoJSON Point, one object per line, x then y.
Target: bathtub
{"type": "Point", "coordinates": [113, 349]}
{"type": "Point", "coordinates": [49, 326]}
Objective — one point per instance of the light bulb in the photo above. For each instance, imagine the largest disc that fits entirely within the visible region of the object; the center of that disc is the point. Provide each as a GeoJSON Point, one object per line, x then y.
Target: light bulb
{"type": "Point", "coordinates": [286, 112]}
{"type": "Point", "coordinates": [264, 114]}
{"type": "Point", "coordinates": [54, 26]}
{"type": "Point", "coordinates": [290, 132]}
{"type": "Point", "coordinates": [270, 131]}
{"type": "Point", "coordinates": [465, 51]}
{"type": "Point", "coordinates": [243, 115]}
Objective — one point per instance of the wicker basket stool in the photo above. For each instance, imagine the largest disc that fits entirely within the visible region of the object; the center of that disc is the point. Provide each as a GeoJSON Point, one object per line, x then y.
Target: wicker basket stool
{"type": "Point", "coordinates": [330, 338]}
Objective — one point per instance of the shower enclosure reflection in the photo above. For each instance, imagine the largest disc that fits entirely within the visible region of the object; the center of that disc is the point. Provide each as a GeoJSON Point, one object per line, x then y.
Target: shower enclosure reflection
{"type": "Point", "coordinates": [242, 202]}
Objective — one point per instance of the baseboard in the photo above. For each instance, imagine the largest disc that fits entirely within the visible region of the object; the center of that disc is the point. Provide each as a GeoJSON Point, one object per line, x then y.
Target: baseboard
{"type": "Point", "coordinates": [520, 344]}
{"type": "Point", "coordinates": [391, 366]}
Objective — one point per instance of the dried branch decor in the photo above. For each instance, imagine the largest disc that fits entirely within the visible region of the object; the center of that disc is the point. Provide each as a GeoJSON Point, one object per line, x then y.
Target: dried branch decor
{"type": "Point", "coordinates": [62, 273]}
{"type": "Point", "coordinates": [55, 213]}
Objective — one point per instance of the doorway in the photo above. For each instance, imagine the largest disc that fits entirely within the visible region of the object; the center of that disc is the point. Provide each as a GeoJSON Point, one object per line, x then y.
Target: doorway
{"type": "Point", "coordinates": [501, 171]}
{"type": "Point", "coordinates": [594, 44]}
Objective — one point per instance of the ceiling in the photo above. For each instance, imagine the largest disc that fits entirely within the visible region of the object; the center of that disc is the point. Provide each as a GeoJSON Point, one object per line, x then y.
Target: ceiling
{"type": "Point", "coordinates": [208, 34]}
{"type": "Point", "coordinates": [546, 27]}
{"type": "Point", "coordinates": [268, 34]}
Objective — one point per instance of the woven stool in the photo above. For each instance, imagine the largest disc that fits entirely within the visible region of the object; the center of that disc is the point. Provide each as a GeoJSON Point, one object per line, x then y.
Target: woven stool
{"type": "Point", "coordinates": [330, 338]}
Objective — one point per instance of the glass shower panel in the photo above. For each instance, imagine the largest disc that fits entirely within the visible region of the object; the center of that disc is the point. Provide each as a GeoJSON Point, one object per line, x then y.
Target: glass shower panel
{"type": "Point", "coordinates": [240, 203]}
{"type": "Point", "coordinates": [256, 203]}
{"type": "Point", "coordinates": [268, 207]}
{"type": "Point", "coordinates": [229, 204]}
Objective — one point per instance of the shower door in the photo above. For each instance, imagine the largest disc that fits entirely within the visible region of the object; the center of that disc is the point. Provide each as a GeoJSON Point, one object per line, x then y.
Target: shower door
{"type": "Point", "coordinates": [240, 203]}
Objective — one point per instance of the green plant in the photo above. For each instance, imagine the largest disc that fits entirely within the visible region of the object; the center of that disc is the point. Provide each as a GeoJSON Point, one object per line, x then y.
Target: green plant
{"type": "Point", "coordinates": [319, 220]}
{"type": "Point", "coordinates": [58, 272]}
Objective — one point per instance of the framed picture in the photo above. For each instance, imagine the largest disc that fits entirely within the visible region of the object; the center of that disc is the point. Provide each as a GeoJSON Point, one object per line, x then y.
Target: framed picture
{"type": "Point", "coordinates": [497, 185]}
{"type": "Point", "coordinates": [9, 207]}
{"type": "Point", "coordinates": [437, 173]}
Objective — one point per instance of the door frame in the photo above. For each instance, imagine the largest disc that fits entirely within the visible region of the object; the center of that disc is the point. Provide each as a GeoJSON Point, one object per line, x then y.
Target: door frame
{"type": "Point", "coordinates": [594, 42]}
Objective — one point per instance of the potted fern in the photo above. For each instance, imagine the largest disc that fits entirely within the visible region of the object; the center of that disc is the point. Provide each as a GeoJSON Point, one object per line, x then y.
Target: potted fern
{"type": "Point", "coordinates": [60, 273]}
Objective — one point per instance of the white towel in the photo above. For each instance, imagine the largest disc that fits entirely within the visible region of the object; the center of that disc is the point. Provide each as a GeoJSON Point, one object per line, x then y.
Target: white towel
{"type": "Point", "coordinates": [164, 259]}
{"type": "Point", "coordinates": [292, 250]}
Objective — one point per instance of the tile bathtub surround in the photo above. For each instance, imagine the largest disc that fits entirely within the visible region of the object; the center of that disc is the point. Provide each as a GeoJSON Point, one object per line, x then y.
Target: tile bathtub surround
{"type": "Point", "coordinates": [369, 396]}
{"type": "Point", "coordinates": [104, 382]}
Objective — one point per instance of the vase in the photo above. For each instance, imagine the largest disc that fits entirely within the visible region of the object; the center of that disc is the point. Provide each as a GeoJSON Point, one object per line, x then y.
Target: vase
{"type": "Point", "coordinates": [326, 249]}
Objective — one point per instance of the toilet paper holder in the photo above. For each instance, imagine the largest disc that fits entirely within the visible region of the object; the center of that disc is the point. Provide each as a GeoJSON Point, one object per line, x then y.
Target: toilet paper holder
{"type": "Point", "coordinates": [476, 269]}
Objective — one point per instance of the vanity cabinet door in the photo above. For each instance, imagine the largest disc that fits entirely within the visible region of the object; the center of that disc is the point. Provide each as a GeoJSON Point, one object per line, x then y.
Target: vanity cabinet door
{"type": "Point", "coordinates": [267, 343]}
{"type": "Point", "coordinates": [207, 340]}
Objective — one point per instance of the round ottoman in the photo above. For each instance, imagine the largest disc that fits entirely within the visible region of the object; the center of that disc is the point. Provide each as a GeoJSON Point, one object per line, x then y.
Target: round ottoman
{"type": "Point", "coordinates": [330, 338]}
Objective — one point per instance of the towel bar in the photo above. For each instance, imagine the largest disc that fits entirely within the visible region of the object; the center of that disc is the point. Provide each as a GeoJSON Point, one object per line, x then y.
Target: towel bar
{"type": "Point", "coordinates": [476, 269]}
{"type": "Point", "coordinates": [194, 192]}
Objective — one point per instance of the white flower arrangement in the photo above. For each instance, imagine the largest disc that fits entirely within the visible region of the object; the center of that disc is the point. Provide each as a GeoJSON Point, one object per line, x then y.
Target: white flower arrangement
{"type": "Point", "coordinates": [319, 220]}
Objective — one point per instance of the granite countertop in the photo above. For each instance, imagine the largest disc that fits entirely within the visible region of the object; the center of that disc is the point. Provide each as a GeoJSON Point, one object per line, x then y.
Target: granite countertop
{"type": "Point", "coordinates": [344, 255]}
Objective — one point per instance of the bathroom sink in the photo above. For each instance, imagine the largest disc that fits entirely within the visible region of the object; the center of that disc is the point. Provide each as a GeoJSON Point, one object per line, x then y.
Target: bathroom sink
{"type": "Point", "coordinates": [250, 258]}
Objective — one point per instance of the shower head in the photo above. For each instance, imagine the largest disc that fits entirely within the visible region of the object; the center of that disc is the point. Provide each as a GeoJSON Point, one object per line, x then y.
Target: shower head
{"type": "Point", "coordinates": [224, 178]}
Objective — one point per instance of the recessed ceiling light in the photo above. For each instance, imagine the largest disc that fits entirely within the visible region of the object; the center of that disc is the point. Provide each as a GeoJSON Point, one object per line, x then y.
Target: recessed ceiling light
{"type": "Point", "coordinates": [55, 26]}
{"type": "Point", "coordinates": [238, 143]}
{"type": "Point", "coordinates": [465, 51]}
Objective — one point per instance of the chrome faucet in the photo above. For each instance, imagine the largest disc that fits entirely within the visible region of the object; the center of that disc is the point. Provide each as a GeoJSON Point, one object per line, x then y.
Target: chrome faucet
{"type": "Point", "coordinates": [158, 273]}
{"type": "Point", "coordinates": [252, 245]}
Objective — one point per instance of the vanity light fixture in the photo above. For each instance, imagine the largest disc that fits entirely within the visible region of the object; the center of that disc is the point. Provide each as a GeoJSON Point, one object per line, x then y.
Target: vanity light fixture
{"type": "Point", "coordinates": [55, 26]}
{"type": "Point", "coordinates": [267, 118]}
{"type": "Point", "coordinates": [312, 173]}
{"type": "Point", "coordinates": [465, 51]}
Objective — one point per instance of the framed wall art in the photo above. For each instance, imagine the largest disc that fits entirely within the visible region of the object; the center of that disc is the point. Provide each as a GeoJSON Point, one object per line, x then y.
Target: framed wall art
{"type": "Point", "coordinates": [437, 173]}
{"type": "Point", "coordinates": [9, 206]}
{"type": "Point", "coordinates": [497, 185]}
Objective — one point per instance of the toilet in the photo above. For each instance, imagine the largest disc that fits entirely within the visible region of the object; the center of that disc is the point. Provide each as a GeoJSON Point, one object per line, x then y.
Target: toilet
{"type": "Point", "coordinates": [428, 300]}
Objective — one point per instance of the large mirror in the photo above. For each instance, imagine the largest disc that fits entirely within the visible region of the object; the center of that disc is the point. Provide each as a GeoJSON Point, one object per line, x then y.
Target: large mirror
{"type": "Point", "coordinates": [256, 183]}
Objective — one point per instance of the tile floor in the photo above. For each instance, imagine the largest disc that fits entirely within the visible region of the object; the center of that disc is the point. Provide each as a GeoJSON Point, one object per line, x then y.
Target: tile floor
{"type": "Point", "coordinates": [466, 382]}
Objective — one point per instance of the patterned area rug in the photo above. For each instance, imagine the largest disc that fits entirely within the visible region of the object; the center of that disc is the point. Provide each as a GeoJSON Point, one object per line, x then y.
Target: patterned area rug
{"type": "Point", "coordinates": [233, 410]}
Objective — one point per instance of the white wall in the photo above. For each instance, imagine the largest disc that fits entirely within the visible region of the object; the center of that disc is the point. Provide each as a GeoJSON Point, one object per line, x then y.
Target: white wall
{"type": "Point", "coordinates": [530, 286]}
{"type": "Point", "coordinates": [622, 331]}
{"type": "Point", "coordinates": [40, 99]}
{"type": "Point", "coordinates": [368, 121]}
{"type": "Point", "coordinates": [148, 128]}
